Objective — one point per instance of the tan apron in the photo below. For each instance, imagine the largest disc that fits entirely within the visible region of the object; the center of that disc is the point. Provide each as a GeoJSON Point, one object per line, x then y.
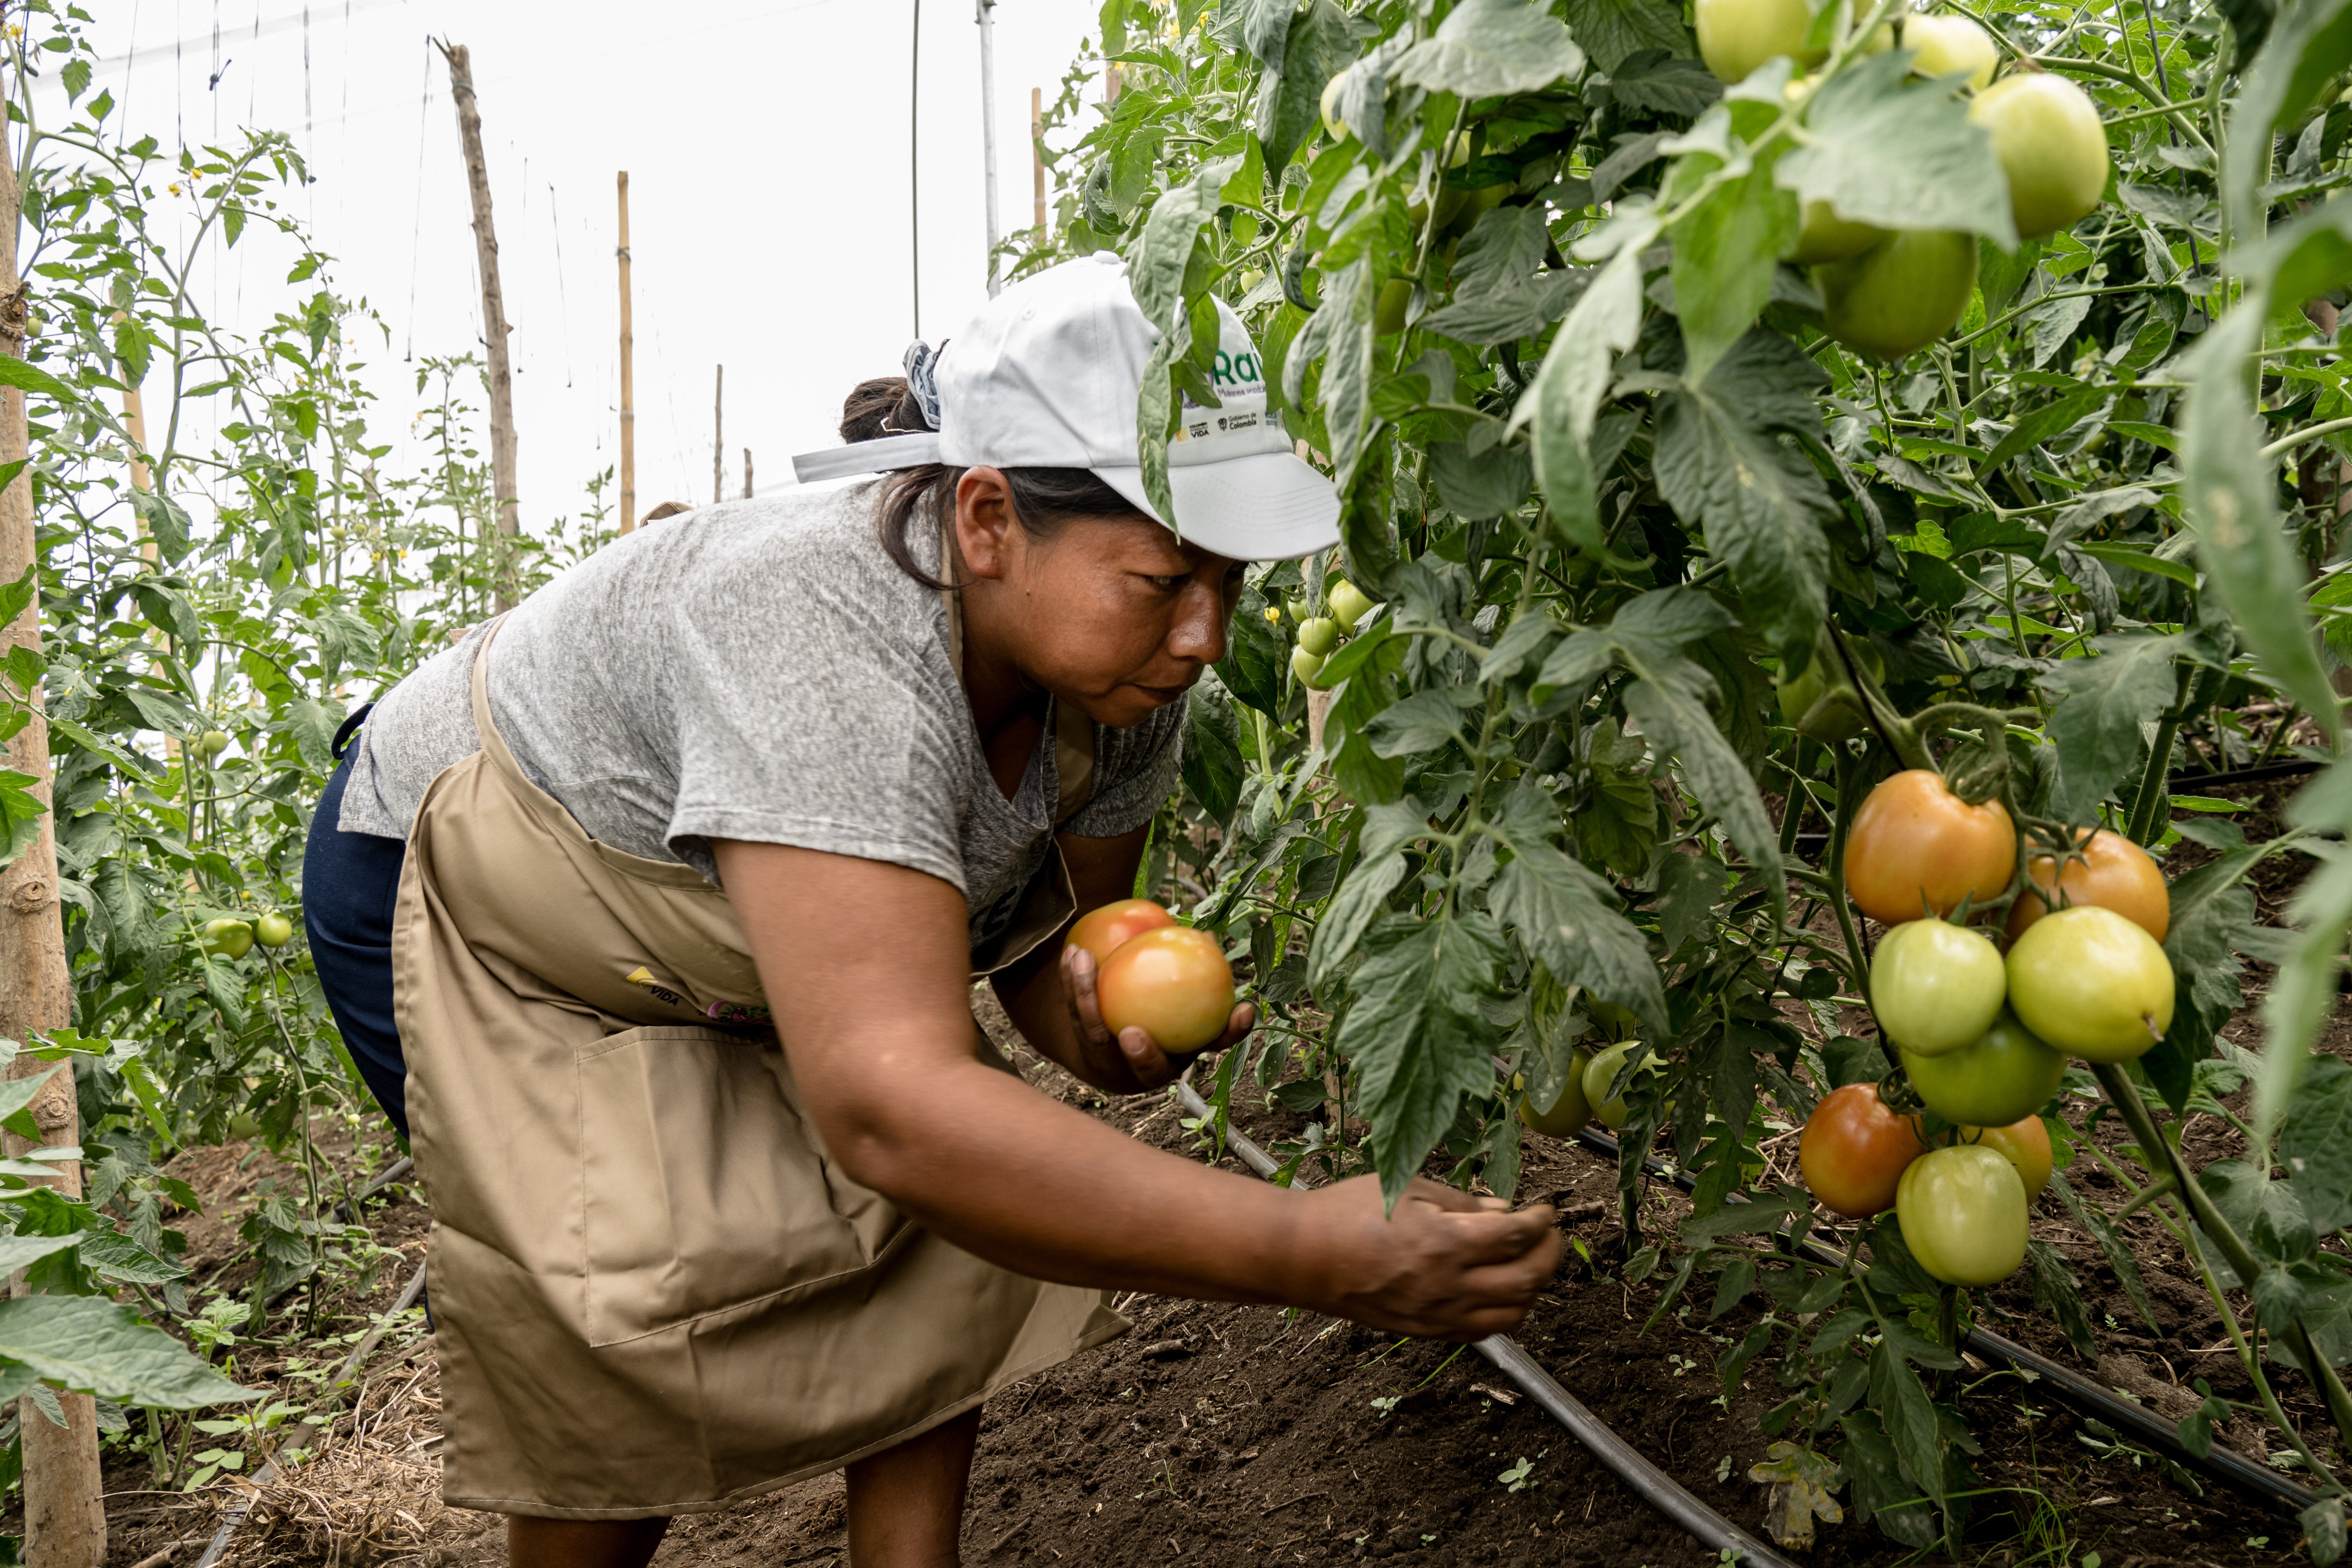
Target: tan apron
{"type": "Point", "coordinates": [655, 1291]}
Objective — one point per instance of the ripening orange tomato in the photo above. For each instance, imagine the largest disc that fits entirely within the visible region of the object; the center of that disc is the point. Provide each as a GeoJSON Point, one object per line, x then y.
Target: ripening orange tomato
{"type": "Point", "coordinates": [1102, 932]}
{"type": "Point", "coordinates": [1854, 1151]}
{"type": "Point", "coordinates": [1913, 840]}
{"type": "Point", "coordinates": [2024, 1144]}
{"type": "Point", "coordinates": [2112, 874]}
{"type": "Point", "coordinates": [1173, 982]}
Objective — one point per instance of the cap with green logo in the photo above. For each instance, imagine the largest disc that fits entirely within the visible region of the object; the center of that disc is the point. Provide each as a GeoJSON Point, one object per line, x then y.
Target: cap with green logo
{"type": "Point", "coordinates": [1047, 377]}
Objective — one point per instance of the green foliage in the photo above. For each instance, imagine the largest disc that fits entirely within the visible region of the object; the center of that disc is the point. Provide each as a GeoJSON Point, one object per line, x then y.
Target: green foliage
{"type": "Point", "coordinates": [1609, 475]}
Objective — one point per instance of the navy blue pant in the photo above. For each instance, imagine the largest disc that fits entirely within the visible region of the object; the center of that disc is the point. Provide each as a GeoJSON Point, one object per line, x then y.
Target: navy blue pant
{"type": "Point", "coordinates": [350, 884]}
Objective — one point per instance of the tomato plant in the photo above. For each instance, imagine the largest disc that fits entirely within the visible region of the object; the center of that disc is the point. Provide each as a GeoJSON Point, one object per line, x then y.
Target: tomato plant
{"type": "Point", "coordinates": [1998, 510]}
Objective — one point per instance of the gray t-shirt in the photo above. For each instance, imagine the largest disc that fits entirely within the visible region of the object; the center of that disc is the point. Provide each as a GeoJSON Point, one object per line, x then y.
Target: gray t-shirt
{"type": "Point", "coordinates": [757, 670]}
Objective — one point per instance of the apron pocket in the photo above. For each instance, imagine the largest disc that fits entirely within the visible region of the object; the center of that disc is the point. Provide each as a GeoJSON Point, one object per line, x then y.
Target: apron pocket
{"type": "Point", "coordinates": [705, 1187]}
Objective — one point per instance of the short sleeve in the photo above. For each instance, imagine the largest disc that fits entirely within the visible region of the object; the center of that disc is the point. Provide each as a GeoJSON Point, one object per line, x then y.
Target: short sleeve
{"type": "Point", "coordinates": [1135, 769]}
{"type": "Point", "coordinates": [812, 707]}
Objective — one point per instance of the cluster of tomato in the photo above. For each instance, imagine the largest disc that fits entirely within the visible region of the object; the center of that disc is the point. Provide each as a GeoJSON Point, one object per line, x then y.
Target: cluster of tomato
{"type": "Point", "coordinates": [230, 938]}
{"type": "Point", "coordinates": [1345, 606]}
{"type": "Point", "coordinates": [1888, 293]}
{"type": "Point", "coordinates": [1983, 1038]}
{"type": "Point", "coordinates": [1168, 980]}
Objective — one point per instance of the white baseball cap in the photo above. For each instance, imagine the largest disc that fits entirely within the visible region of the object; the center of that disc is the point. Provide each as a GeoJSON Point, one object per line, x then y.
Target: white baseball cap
{"type": "Point", "coordinates": [1047, 376]}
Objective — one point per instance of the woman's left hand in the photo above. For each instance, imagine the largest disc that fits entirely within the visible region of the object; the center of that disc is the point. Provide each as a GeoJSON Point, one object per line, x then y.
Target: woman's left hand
{"type": "Point", "coordinates": [1131, 1062]}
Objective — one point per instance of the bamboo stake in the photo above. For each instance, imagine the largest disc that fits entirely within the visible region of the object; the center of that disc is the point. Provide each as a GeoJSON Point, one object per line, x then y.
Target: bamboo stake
{"type": "Point", "coordinates": [719, 438]}
{"type": "Point", "coordinates": [1037, 155]}
{"type": "Point", "coordinates": [65, 1521]}
{"type": "Point", "coordinates": [494, 314]}
{"type": "Point", "coordinates": [628, 350]}
{"type": "Point", "coordinates": [747, 473]}
{"type": "Point", "coordinates": [983, 14]}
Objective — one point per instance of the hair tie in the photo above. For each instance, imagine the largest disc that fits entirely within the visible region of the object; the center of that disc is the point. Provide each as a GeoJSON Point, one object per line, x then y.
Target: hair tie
{"type": "Point", "coordinates": [922, 363]}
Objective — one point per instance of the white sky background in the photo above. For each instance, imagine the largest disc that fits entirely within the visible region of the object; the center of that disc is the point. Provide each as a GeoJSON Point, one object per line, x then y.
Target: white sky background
{"type": "Point", "coordinates": [766, 143]}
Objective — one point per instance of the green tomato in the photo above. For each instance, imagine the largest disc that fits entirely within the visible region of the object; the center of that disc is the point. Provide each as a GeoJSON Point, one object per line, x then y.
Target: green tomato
{"type": "Point", "coordinates": [1475, 203]}
{"type": "Point", "coordinates": [1900, 295]}
{"type": "Point", "coordinates": [1307, 667]}
{"type": "Point", "coordinates": [1962, 1211]}
{"type": "Point", "coordinates": [273, 929]}
{"type": "Point", "coordinates": [211, 744]}
{"type": "Point", "coordinates": [1829, 237]}
{"type": "Point", "coordinates": [1319, 635]}
{"type": "Point", "coordinates": [1735, 36]}
{"type": "Point", "coordinates": [1937, 987]}
{"type": "Point", "coordinates": [1947, 46]}
{"type": "Point", "coordinates": [1331, 120]}
{"type": "Point", "coordinates": [1569, 1110]}
{"type": "Point", "coordinates": [2002, 1076]}
{"type": "Point", "coordinates": [244, 1125]}
{"type": "Point", "coordinates": [2092, 984]}
{"type": "Point", "coordinates": [2051, 145]}
{"type": "Point", "coordinates": [225, 938]}
{"type": "Point", "coordinates": [1347, 603]}
{"type": "Point", "coordinates": [1387, 312]}
{"type": "Point", "coordinates": [1298, 609]}
{"type": "Point", "coordinates": [1601, 1072]}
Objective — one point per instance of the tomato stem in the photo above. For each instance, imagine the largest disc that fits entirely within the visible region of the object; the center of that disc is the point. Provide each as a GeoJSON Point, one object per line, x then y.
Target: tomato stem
{"type": "Point", "coordinates": [2208, 1214]}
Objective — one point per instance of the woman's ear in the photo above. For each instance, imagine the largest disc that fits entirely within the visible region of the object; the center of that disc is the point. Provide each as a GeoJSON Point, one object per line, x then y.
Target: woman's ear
{"type": "Point", "coordinates": [984, 522]}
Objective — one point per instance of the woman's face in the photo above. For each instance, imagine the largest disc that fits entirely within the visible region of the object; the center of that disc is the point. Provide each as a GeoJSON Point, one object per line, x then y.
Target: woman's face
{"type": "Point", "coordinates": [1112, 613]}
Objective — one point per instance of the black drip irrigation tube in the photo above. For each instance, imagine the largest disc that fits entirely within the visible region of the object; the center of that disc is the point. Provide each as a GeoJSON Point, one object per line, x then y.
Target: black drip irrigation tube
{"type": "Point", "coordinates": [2141, 1424]}
{"type": "Point", "coordinates": [271, 1469]}
{"type": "Point", "coordinates": [1648, 1482]}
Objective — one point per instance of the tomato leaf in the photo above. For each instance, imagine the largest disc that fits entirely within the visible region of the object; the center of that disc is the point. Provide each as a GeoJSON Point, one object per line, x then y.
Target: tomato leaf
{"type": "Point", "coordinates": [2232, 504]}
{"type": "Point", "coordinates": [1611, 31]}
{"type": "Point", "coordinates": [1561, 405]}
{"type": "Point", "coordinates": [1413, 1031]}
{"type": "Point", "coordinates": [1211, 765]}
{"type": "Point", "coordinates": [2111, 1246]}
{"type": "Point", "coordinates": [1881, 1493]}
{"type": "Point", "coordinates": [1727, 253]}
{"type": "Point", "coordinates": [1567, 916]}
{"type": "Point", "coordinates": [93, 1345]}
{"type": "Point", "coordinates": [2314, 1144]}
{"type": "Point", "coordinates": [1318, 44]}
{"type": "Point", "coordinates": [2309, 44]}
{"type": "Point", "coordinates": [1485, 49]}
{"type": "Point", "coordinates": [1902, 1403]}
{"type": "Point", "coordinates": [2303, 993]}
{"type": "Point", "coordinates": [2103, 703]}
{"type": "Point", "coordinates": [1722, 467]}
{"type": "Point", "coordinates": [2056, 1292]}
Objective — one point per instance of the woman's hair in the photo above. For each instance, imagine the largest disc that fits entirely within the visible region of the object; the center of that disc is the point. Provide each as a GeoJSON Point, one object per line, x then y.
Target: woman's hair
{"type": "Point", "coordinates": [1043, 499]}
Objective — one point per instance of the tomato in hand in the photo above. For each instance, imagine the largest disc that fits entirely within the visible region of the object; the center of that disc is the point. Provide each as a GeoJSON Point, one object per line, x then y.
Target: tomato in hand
{"type": "Point", "coordinates": [1103, 930]}
{"type": "Point", "coordinates": [1913, 840]}
{"type": "Point", "coordinates": [1936, 986]}
{"type": "Point", "coordinates": [2092, 984]}
{"type": "Point", "coordinates": [1173, 982]}
{"type": "Point", "coordinates": [1569, 1110]}
{"type": "Point", "coordinates": [1962, 1211]}
{"type": "Point", "coordinates": [2024, 1144]}
{"type": "Point", "coordinates": [2002, 1075]}
{"type": "Point", "coordinates": [1602, 1071]}
{"type": "Point", "coordinates": [2114, 873]}
{"type": "Point", "coordinates": [1854, 1151]}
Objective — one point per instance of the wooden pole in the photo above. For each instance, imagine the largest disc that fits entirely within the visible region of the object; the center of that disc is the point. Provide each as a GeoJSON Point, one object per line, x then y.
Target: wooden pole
{"type": "Point", "coordinates": [65, 1521]}
{"type": "Point", "coordinates": [718, 438]}
{"type": "Point", "coordinates": [493, 314]}
{"type": "Point", "coordinates": [985, 10]}
{"type": "Point", "coordinates": [747, 473]}
{"type": "Point", "coordinates": [628, 350]}
{"type": "Point", "coordinates": [1037, 154]}
{"type": "Point", "coordinates": [915, 166]}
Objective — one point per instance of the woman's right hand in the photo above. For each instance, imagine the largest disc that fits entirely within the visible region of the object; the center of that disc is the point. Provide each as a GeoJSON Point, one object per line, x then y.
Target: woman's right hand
{"type": "Point", "coordinates": [1444, 1265]}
